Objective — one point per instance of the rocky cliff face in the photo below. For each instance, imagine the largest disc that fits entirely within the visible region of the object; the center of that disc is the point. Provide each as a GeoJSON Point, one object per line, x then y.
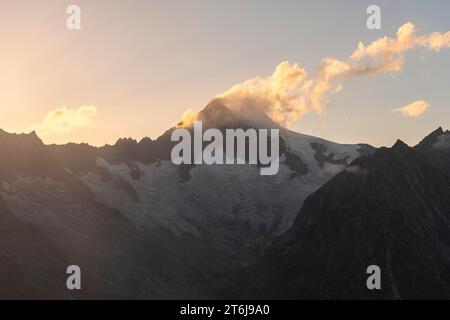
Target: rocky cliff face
{"type": "Point", "coordinates": [390, 209]}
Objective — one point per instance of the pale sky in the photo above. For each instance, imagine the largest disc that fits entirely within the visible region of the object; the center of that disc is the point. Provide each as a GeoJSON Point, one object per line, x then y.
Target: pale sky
{"type": "Point", "coordinates": [136, 66]}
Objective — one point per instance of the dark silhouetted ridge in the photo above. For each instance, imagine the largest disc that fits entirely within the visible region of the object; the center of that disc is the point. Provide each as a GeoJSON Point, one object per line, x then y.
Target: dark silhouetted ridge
{"type": "Point", "coordinates": [430, 139]}
{"type": "Point", "coordinates": [392, 210]}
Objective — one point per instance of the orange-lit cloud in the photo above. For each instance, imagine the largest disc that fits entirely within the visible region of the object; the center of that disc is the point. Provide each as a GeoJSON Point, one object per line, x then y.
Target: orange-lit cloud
{"type": "Point", "coordinates": [63, 121]}
{"type": "Point", "coordinates": [188, 119]}
{"type": "Point", "coordinates": [414, 109]}
{"type": "Point", "coordinates": [282, 95]}
{"type": "Point", "coordinates": [290, 92]}
{"type": "Point", "coordinates": [387, 54]}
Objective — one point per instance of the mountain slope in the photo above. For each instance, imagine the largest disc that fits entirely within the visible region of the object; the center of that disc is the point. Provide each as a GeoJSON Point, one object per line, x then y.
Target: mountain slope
{"type": "Point", "coordinates": [141, 227]}
{"type": "Point", "coordinates": [390, 209]}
